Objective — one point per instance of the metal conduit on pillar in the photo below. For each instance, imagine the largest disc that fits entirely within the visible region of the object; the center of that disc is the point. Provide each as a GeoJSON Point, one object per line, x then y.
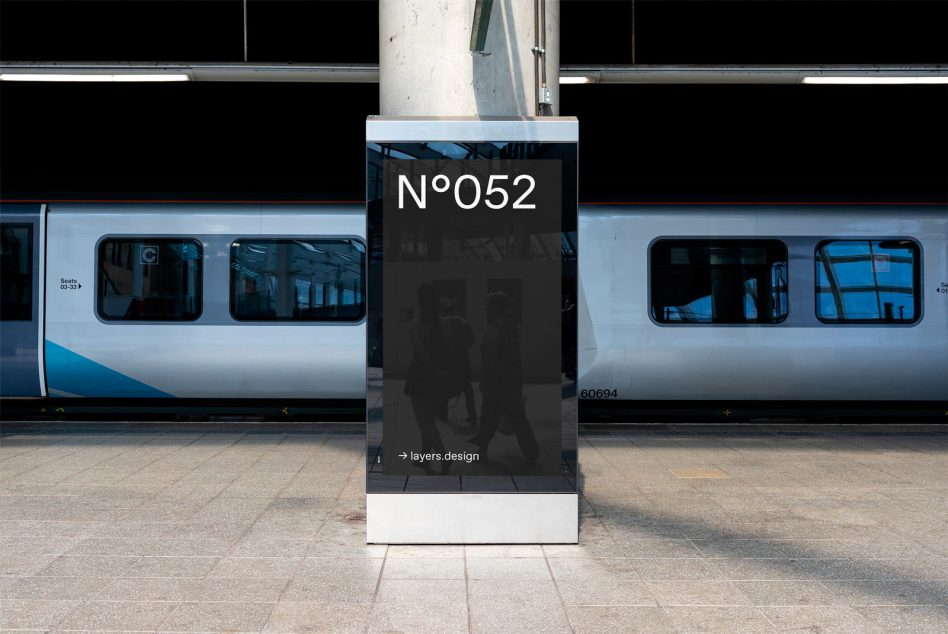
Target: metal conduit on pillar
{"type": "Point", "coordinates": [427, 67]}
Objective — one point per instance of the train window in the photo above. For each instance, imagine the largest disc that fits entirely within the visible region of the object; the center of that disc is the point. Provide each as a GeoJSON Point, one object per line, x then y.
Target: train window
{"type": "Point", "coordinates": [297, 279]}
{"type": "Point", "coordinates": [149, 279]}
{"type": "Point", "coordinates": [867, 281]}
{"type": "Point", "coordinates": [16, 268]}
{"type": "Point", "coordinates": [719, 281]}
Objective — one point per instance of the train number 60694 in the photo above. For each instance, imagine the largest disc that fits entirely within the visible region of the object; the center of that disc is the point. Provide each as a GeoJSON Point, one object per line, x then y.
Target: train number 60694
{"type": "Point", "coordinates": [599, 393]}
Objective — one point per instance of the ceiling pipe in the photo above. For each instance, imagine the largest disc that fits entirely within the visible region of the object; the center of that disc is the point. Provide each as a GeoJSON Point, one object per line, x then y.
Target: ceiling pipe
{"type": "Point", "coordinates": [369, 73]}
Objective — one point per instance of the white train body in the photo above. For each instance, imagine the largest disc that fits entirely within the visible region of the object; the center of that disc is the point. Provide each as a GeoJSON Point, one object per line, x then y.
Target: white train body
{"type": "Point", "coordinates": [214, 356]}
{"type": "Point", "coordinates": [625, 354]}
{"type": "Point", "coordinates": [623, 350]}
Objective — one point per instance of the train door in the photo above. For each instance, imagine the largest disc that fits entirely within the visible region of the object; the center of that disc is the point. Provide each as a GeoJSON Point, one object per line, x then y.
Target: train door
{"type": "Point", "coordinates": [21, 312]}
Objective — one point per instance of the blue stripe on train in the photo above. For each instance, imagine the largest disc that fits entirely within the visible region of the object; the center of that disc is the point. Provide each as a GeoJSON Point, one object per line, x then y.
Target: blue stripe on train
{"type": "Point", "coordinates": [69, 372]}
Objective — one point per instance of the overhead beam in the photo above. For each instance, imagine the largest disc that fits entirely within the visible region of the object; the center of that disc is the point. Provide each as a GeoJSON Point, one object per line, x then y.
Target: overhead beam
{"type": "Point", "coordinates": [316, 73]}
{"type": "Point", "coordinates": [592, 74]}
{"type": "Point", "coordinates": [730, 74]}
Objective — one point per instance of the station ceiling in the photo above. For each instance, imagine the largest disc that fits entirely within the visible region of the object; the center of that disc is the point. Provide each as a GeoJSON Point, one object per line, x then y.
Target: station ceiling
{"type": "Point", "coordinates": [638, 143]}
{"type": "Point", "coordinates": [592, 31]}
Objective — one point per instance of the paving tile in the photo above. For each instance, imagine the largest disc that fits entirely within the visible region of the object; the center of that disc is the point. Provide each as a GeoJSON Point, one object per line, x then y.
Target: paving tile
{"type": "Point", "coordinates": [503, 569]}
{"type": "Point", "coordinates": [758, 569]}
{"type": "Point", "coordinates": [911, 620]}
{"type": "Point", "coordinates": [421, 591]}
{"type": "Point", "coordinates": [593, 568]}
{"type": "Point", "coordinates": [593, 530]}
{"type": "Point", "coordinates": [410, 617]}
{"type": "Point", "coordinates": [648, 548]}
{"type": "Point", "coordinates": [860, 515]}
{"type": "Point", "coordinates": [707, 593]}
{"type": "Point", "coordinates": [324, 588]}
{"type": "Point", "coordinates": [54, 588]}
{"type": "Point", "coordinates": [205, 530]}
{"type": "Point", "coordinates": [533, 592]}
{"type": "Point", "coordinates": [528, 618]}
{"type": "Point", "coordinates": [55, 528]}
{"type": "Point", "coordinates": [30, 614]}
{"type": "Point", "coordinates": [604, 592]}
{"type": "Point", "coordinates": [571, 551]}
{"type": "Point", "coordinates": [664, 569]}
{"type": "Point", "coordinates": [88, 566]}
{"type": "Point", "coordinates": [231, 589]}
{"type": "Point", "coordinates": [688, 473]}
{"type": "Point", "coordinates": [302, 616]}
{"type": "Point", "coordinates": [285, 528]}
{"type": "Point", "coordinates": [355, 567]}
{"type": "Point", "coordinates": [149, 589]}
{"type": "Point", "coordinates": [30, 545]}
{"type": "Point", "coordinates": [256, 567]}
{"type": "Point", "coordinates": [718, 619]}
{"type": "Point", "coordinates": [868, 569]}
{"type": "Point", "coordinates": [324, 548]}
{"type": "Point", "coordinates": [191, 490]}
{"type": "Point", "coordinates": [171, 567]}
{"type": "Point", "coordinates": [138, 530]}
{"type": "Point", "coordinates": [824, 619]}
{"type": "Point", "coordinates": [24, 565]}
{"type": "Point", "coordinates": [223, 509]}
{"type": "Point", "coordinates": [218, 617]}
{"type": "Point", "coordinates": [623, 530]}
{"type": "Point", "coordinates": [748, 548]}
{"type": "Point", "coordinates": [177, 510]}
{"type": "Point", "coordinates": [6, 583]}
{"type": "Point", "coordinates": [442, 568]}
{"type": "Point", "coordinates": [595, 619]}
{"type": "Point", "coordinates": [171, 547]}
{"type": "Point", "coordinates": [307, 504]}
{"type": "Point", "coordinates": [502, 550]}
{"type": "Point", "coordinates": [118, 615]}
{"type": "Point", "coordinates": [883, 546]}
{"type": "Point", "coordinates": [425, 552]}
{"type": "Point", "coordinates": [787, 592]}
{"type": "Point", "coordinates": [864, 593]}
{"type": "Point", "coordinates": [265, 545]}
{"type": "Point", "coordinates": [937, 589]}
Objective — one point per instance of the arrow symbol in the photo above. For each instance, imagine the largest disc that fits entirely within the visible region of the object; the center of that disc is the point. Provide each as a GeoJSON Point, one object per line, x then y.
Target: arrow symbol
{"type": "Point", "coordinates": [80, 285]}
{"type": "Point", "coordinates": [403, 455]}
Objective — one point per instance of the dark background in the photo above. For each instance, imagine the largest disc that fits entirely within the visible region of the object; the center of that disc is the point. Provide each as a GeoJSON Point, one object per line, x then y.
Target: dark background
{"type": "Point", "coordinates": [423, 254]}
{"type": "Point", "coordinates": [638, 143]}
{"type": "Point", "coordinates": [592, 31]}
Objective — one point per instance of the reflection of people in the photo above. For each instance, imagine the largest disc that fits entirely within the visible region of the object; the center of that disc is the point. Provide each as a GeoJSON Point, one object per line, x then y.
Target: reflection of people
{"type": "Point", "coordinates": [426, 382]}
{"type": "Point", "coordinates": [502, 381]}
{"type": "Point", "coordinates": [248, 302]}
{"type": "Point", "coordinates": [458, 339]}
{"type": "Point", "coordinates": [15, 283]}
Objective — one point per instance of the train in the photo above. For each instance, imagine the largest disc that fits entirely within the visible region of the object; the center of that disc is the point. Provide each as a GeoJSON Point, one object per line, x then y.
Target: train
{"type": "Point", "coordinates": [728, 310]}
{"type": "Point", "coordinates": [755, 310]}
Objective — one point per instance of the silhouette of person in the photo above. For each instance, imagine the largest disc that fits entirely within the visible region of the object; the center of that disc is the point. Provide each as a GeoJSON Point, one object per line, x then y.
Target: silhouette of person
{"type": "Point", "coordinates": [15, 283]}
{"type": "Point", "coordinates": [426, 381]}
{"type": "Point", "coordinates": [502, 381]}
{"type": "Point", "coordinates": [458, 339]}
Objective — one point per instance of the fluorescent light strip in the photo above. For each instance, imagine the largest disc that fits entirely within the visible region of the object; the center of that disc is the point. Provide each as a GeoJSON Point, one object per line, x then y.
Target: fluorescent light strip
{"type": "Point", "coordinates": [576, 80]}
{"type": "Point", "coordinates": [830, 79]}
{"type": "Point", "coordinates": [94, 77]}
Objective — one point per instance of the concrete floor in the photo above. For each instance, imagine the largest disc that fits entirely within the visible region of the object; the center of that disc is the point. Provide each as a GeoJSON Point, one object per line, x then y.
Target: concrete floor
{"type": "Point", "coordinates": [732, 529]}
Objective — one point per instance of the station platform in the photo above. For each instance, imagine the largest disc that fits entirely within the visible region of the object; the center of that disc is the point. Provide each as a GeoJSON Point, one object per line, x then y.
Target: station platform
{"type": "Point", "coordinates": [727, 528]}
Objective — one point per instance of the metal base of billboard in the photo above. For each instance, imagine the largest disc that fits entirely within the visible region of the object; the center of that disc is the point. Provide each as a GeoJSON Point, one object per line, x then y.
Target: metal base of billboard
{"type": "Point", "coordinates": [472, 518]}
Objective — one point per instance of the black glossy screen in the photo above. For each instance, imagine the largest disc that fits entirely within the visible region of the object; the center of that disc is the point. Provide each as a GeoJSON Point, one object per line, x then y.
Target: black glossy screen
{"type": "Point", "coordinates": [471, 317]}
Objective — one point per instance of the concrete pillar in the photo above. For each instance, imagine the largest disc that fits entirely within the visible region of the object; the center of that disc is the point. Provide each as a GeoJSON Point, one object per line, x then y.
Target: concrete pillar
{"type": "Point", "coordinates": [426, 67]}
